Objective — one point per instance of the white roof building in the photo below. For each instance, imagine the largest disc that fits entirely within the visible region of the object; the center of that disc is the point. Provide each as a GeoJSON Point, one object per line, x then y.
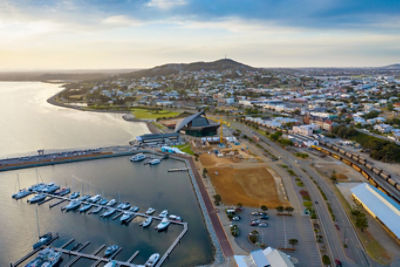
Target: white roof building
{"type": "Point", "coordinates": [268, 257]}
{"type": "Point", "coordinates": [380, 206]}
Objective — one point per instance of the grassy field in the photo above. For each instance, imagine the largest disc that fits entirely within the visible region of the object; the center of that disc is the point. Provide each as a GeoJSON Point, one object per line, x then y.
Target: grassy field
{"type": "Point", "coordinates": [141, 113]}
{"type": "Point", "coordinates": [186, 148]}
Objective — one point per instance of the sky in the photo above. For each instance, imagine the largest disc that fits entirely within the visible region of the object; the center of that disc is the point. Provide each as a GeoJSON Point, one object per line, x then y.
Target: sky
{"type": "Point", "coordinates": [109, 34]}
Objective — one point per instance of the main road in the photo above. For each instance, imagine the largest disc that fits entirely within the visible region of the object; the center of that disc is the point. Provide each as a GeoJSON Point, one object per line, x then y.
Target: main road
{"type": "Point", "coordinates": [355, 255]}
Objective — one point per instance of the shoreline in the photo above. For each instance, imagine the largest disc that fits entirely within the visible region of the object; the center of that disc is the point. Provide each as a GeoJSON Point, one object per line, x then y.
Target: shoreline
{"type": "Point", "coordinates": [151, 128]}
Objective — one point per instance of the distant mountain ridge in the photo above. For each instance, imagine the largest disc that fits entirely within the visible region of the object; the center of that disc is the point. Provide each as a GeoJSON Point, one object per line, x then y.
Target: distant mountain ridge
{"type": "Point", "coordinates": [392, 67]}
{"type": "Point", "coordinates": [174, 68]}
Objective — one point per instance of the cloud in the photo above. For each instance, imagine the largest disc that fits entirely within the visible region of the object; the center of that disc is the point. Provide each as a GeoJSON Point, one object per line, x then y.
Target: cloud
{"type": "Point", "coordinates": [120, 21]}
{"type": "Point", "coordinates": [166, 4]}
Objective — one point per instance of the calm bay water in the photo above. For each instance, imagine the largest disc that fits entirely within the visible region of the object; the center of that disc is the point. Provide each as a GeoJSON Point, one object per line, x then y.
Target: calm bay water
{"type": "Point", "coordinates": [33, 124]}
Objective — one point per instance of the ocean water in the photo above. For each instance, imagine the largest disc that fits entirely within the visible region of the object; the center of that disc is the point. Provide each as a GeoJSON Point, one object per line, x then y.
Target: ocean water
{"type": "Point", "coordinates": [141, 185]}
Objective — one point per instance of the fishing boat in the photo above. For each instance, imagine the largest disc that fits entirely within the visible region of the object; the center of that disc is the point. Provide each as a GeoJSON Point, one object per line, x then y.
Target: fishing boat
{"type": "Point", "coordinates": [138, 157]}
{"type": "Point", "coordinates": [154, 161]}
{"type": "Point", "coordinates": [63, 191]}
{"type": "Point", "coordinates": [74, 204]}
{"type": "Point", "coordinates": [74, 195]}
{"type": "Point", "coordinates": [47, 257]}
{"type": "Point", "coordinates": [95, 198]}
{"type": "Point", "coordinates": [127, 216]}
{"type": "Point", "coordinates": [86, 207]}
{"type": "Point", "coordinates": [110, 250]}
{"type": "Point", "coordinates": [37, 198]}
{"type": "Point", "coordinates": [96, 210]}
{"type": "Point", "coordinates": [147, 222]}
{"type": "Point", "coordinates": [150, 211]}
{"type": "Point", "coordinates": [163, 224]}
{"type": "Point", "coordinates": [163, 214]}
{"type": "Point", "coordinates": [21, 194]}
{"type": "Point", "coordinates": [108, 212]}
{"type": "Point", "coordinates": [124, 206]}
{"type": "Point", "coordinates": [111, 202]}
{"type": "Point", "coordinates": [152, 260]}
{"type": "Point", "coordinates": [43, 240]}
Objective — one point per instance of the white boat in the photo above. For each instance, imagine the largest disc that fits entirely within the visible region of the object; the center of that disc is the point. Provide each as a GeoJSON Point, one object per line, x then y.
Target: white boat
{"type": "Point", "coordinates": [112, 264]}
{"type": "Point", "coordinates": [150, 211]}
{"type": "Point", "coordinates": [74, 204]}
{"type": "Point", "coordinates": [96, 210]}
{"type": "Point", "coordinates": [175, 217]}
{"type": "Point", "coordinates": [126, 216]}
{"type": "Point", "coordinates": [163, 224]}
{"type": "Point", "coordinates": [163, 214]}
{"type": "Point", "coordinates": [37, 198]}
{"type": "Point", "coordinates": [154, 161]}
{"type": "Point", "coordinates": [138, 157]}
{"type": "Point", "coordinates": [111, 202]}
{"type": "Point", "coordinates": [147, 222]}
{"type": "Point", "coordinates": [152, 260]}
{"type": "Point", "coordinates": [108, 212]}
{"type": "Point", "coordinates": [21, 194]}
{"type": "Point", "coordinates": [95, 198]}
{"type": "Point", "coordinates": [124, 206]}
{"type": "Point", "coordinates": [134, 209]}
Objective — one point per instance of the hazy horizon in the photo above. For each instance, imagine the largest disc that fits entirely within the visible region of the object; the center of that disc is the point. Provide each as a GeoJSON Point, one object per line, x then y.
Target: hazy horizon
{"type": "Point", "coordinates": [72, 34]}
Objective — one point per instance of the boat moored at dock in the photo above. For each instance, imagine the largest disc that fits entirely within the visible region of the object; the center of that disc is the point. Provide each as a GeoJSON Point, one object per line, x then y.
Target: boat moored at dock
{"type": "Point", "coordinates": [74, 195]}
{"type": "Point", "coordinates": [43, 240]}
{"type": "Point", "coordinates": [47, 257]}
{"type": "Point", "coordinates": [21, 194]}
{"type": "Point", "coordinates": [163, 225]}
{"type": "Point", "coordinates": [37, 198]}
{"type": "Point", "coordinates": [108, 212]}
{"type": "Point", "coordinates": [86, 207]}
{"type": "Point", "coordinates": [150, 211]}
{"type": "Point", "coordinates": [127, 216]}
{"type": "Point", "coordinates": [138, 157]}
{"type": "Point", "coordinates": [96, 210]}
{"type": "Point", "coordinates": [84, 198]}
{"type": "Point", "coordinates": [124, 206]}
{"type": "Point", "coordinates": [63, 191]}
{"type": "Point", "coordinates": [152, 260]}
{"type": "Point", "coordinates": [112, 202]}
{"type": "Point", "coordinates": [74, 204]}
{"type": "Point", "coordinates": [163, 214]}
{"type": "Point", "coordinates": [110, 250]}
{"type": "Point", "coordinates": [147, 222]}
{"type": "Point", "coordinates": [95, 198]}
{"type": "Point", "coordinates": [154, 161]}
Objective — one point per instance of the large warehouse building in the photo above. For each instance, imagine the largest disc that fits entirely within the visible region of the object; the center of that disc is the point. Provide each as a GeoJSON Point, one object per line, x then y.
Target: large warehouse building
{"type": "Point", "coordinates": [380, 206]}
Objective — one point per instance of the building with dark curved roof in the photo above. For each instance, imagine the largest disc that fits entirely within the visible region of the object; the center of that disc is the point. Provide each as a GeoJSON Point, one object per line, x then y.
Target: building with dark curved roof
{"type": "Point", "coordinates": [197, 125]}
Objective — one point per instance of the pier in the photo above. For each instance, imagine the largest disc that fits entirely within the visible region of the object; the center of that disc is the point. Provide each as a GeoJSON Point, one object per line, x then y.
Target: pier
{"type": "Point", "coordinates": [77, 249]}
{"type": "Point", "coordinates": [178, 170]}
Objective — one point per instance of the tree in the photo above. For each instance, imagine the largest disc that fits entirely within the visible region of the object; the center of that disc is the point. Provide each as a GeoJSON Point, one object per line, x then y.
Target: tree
{"type": "Point", "coordinates": [279, 208]}
{"type": "Point", "coordinates": [217, 199]}
{"type": "Point", "coordinates": [326, 260]}
{"type": "Point", "coordinates": [264, 208]}
{"type": "Point", "coordinates": [293, 241]}
{"type": "Point", "coordinates": [289, 209]}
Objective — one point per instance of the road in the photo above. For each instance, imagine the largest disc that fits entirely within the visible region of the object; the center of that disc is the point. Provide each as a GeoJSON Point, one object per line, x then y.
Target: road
{"type": "Point", "coordinates": [354, 256]}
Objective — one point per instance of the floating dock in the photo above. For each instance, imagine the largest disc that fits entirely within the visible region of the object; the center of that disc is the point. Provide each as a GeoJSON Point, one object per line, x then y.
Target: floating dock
{"type": "Point", "coordinates": [76, 250]}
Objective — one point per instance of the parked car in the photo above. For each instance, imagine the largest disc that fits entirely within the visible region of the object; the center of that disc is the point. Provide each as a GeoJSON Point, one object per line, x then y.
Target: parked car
{"type": "Point", "coordinates": [255, 222]}
{"type": "Point", "coordinates": [264, 217]}
{"type": "Point", "coordinates": [263, 225]}
{"type": "Point", "coordinates": [338, 263]}
{"type": "Point", "coordinates": [337, 227]}
{"type": "Point", "coordinates": [254, 213]}
{"type": "Point", "coordinates": [236, 218]}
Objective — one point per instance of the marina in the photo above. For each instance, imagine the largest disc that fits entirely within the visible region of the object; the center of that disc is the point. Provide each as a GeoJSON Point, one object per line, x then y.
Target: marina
{"type": "Point", "coordinates": [120, 210]}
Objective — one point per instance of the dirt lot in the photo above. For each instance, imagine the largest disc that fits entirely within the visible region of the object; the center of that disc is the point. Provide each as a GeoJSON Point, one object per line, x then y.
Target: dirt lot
{"type": "Point", "coordinates": [249, 183]}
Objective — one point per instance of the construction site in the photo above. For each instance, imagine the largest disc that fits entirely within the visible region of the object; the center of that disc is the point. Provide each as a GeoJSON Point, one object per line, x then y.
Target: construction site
{"type": "Point", "coordinates": [237, 174]}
